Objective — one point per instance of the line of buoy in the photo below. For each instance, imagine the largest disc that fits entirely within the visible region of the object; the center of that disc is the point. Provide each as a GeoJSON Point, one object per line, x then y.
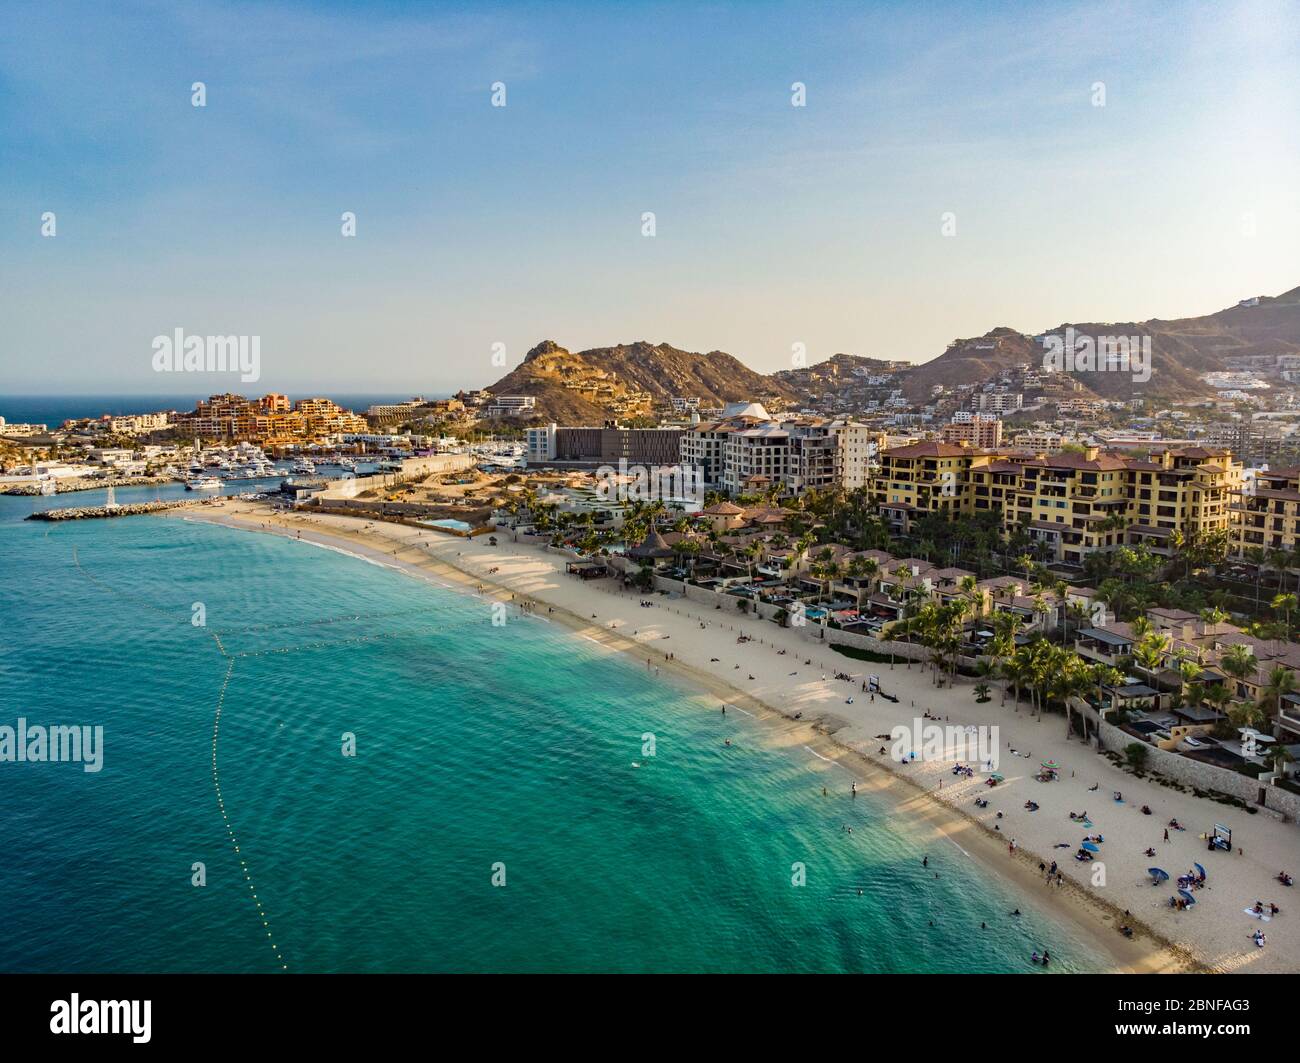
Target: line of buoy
{"type": "Point", "coordinates": [230, 830]}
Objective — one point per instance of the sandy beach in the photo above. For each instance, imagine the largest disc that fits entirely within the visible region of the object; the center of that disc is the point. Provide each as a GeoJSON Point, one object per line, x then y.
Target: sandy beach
{"type": "Point", "coordinates": [770, 686]}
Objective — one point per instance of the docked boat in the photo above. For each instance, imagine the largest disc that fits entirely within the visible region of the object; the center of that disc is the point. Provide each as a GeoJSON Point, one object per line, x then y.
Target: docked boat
{"type": "Point", "coordinates": [203, 483]}
{"type": "Point", "coordinates": [304, 466]}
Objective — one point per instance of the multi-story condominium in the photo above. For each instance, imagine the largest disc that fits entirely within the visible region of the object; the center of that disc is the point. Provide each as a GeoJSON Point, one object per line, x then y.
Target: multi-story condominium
{"type": "Point", "coordinates": [749, 449]}
{"type": "Point", "coordinates": [1072, 503]}
{"type": "Point", "coordinates": [979, 431]}
{"type": "Point", "coordinates": [603, 446]}
{"type": "Point", "coordinates": [511, 405]}
{"type": "Point", "coordinates": [1038, 439]}
{"type": "Point", "coordinates": [394, 410]}
{"type": "Point", "coordinates": [324, 417]}
{"type": "Point", "coordinates": [235, 417]}
{"type": "Point", "coordinates": [998, 401]}
{"type": "Point", "coordinates": [1266, 512]}
{"type": "Point", "coordinates": [926, 477]}
{"type": "Point", "coordinates": [16, 430]}
{"type": "Point", "coordinates": [135, 424]}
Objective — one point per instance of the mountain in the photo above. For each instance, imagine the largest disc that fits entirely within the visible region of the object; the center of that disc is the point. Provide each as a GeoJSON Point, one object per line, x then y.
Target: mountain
{"type": "Point", "coordinates": [628, 380]}
{"type": "Point", "coordinates": [1181, 350]}
{"type": "Point", "coordinates": [586, 387]}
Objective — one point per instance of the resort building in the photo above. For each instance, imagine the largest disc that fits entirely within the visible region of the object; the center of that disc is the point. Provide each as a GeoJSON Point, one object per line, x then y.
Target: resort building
{"type": "Point", "coordinates": [550, 445]}
{"type": "Point", "coordinates": [511, 405]}
{"type": "Point", "coordinates": [749, 449]}
{"type": "Point", "coordinates": [979, 431]}
{"type": "Point", "coordinates": [1266, 512]}
{"type": "Point", "coordinates": [233, 417]}
{"type": "Point", "coordinates": [1073, 503]}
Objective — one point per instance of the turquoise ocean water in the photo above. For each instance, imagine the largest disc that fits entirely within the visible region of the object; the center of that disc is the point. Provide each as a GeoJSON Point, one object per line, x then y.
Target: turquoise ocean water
{"type": "Point", "coordinates": [476, 746]}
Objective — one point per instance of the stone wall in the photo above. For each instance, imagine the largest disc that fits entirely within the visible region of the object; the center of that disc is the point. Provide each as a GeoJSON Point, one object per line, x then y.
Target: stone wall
{"type": "Point", "coordinates": [412, 469]}
{"type": "Point", "coordinates": [1188, 772]}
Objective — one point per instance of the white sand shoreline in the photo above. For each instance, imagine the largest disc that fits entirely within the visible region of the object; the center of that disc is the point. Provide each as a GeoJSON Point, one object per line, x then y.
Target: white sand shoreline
{"type": "Point", "coordinates": [1215, 935]}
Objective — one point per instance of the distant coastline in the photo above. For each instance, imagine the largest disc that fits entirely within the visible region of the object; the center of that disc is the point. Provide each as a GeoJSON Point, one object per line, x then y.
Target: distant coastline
{"type": "Point", "coordinates": [53, 410]}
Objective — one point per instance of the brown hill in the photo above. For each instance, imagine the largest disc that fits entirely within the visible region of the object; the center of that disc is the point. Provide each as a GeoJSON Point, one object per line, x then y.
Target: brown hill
{"type": "Point", "coordinates": [586, 387]}
{"type": "Point", "coordinates": [1181, 350]}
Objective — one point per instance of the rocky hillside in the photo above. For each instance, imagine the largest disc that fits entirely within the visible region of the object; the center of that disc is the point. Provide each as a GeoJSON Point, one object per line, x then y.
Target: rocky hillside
{"type": "Point", "coordinates": [586, 387]}
{"type": "Point", "coordinates": [629, 380]}
{"type": "Point", "coordinates": [1181, 350]}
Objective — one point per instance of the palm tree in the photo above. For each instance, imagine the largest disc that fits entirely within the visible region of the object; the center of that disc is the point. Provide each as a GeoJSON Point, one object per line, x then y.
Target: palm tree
{"type": "Point", "coordinates": [1239, 662]}
{"type": "Point", "coordinates": [1141, 628]}
{"type": "Point", "coordinates": [1279, 756]}
{"type": "Point", "coordinates": [1003, 645]}
{"type": "Point", "coordinates": [1245, 714]}
{"type": "Point", "coordinates": [971, 596]}
{"type": "Point", "coordinates": [1105, 675]}
{"type": "Point", "coordinates": [1217, 695]}
{"type": "Point", "coordinates": [1214, 616]}
{"type": "Point", "coordinates": [1286, 603]}
{"type": "Point", "coordinates": [1080, 614]}
{"type": "Point", "coordinates": [1256, 557]}
{"type": "Point", "coordinates": [1281, 681]}
{"type": "Point", "coordinates": [1190, 691]}
{"type": "Point", "coordinates": [1151, 651]}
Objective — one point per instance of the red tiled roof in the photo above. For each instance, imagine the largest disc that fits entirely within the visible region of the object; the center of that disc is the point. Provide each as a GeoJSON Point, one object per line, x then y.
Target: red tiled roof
{"type": "Point", "coordinates": [928, 449]}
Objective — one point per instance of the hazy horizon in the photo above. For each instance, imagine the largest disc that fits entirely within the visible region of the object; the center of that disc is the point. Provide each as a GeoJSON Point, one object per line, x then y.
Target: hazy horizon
{"type": "Point", "coordinates": [1166, 192]}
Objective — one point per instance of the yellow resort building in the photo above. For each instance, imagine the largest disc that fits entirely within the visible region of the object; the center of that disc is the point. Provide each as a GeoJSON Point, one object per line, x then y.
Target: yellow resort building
{"type": "Point", "coordinates": [1074, 502]}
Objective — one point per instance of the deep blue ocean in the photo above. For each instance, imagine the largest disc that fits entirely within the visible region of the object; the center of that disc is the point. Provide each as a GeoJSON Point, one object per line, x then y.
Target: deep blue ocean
{"type": "Point", "coordinates": [53, 410]}
{"type": "Point", "coordinates": [477, 748]}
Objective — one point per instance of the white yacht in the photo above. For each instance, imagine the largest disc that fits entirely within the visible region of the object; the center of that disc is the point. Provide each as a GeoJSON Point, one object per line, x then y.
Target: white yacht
{"type": "Point", "coordinates": [203, 483]}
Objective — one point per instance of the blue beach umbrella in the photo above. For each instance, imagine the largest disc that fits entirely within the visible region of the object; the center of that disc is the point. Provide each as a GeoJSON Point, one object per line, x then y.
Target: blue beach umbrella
{"type": "Point", "coordinates": [1200, 870]}
{"type": "Point", "coordinates": [1187, 896]}
{"type": "Point", "coordinates": [1157, 874]}
{"type": "Point", "coordinates": [1091, 847]}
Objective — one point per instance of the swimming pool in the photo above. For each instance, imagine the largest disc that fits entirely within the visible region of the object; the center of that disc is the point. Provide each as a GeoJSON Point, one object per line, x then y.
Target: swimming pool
{"type": "Point", "coordinates": [448, 524]}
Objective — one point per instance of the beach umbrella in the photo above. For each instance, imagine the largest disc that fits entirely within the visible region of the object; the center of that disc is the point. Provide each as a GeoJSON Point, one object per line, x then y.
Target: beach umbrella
{"type": "Point", "coordinates": [1158, 874]}
{"type": "Point", "coordinates": [996, 776]}
{"type": "Point", "coordinates": [1200, 871]}
{"type": "Point", "coordinates": [1050, 764]}
{"type": "Point", "coordinates": [1187, 896]}
{"type": "Point", "coordinates": [1091, 847]}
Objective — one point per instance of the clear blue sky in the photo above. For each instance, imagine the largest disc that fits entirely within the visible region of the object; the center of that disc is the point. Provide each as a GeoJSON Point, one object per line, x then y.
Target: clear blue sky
{"type": "Point", "coordinates": [775, 224]}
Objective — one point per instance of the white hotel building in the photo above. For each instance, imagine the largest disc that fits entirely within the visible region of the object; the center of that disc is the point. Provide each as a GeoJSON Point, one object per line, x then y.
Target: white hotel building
{"type": "Point", "coordinates": [748, 448]}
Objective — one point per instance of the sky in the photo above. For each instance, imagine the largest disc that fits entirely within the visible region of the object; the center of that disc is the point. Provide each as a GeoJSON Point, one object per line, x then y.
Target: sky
{"type": "Point", "coordinates": [476, 225]}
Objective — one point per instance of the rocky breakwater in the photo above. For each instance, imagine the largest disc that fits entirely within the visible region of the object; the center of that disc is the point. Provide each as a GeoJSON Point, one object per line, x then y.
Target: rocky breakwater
{"type": "Point", "coordinates": [88, 483]}
{"type": "Point", "coordinates": [132, 510]}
